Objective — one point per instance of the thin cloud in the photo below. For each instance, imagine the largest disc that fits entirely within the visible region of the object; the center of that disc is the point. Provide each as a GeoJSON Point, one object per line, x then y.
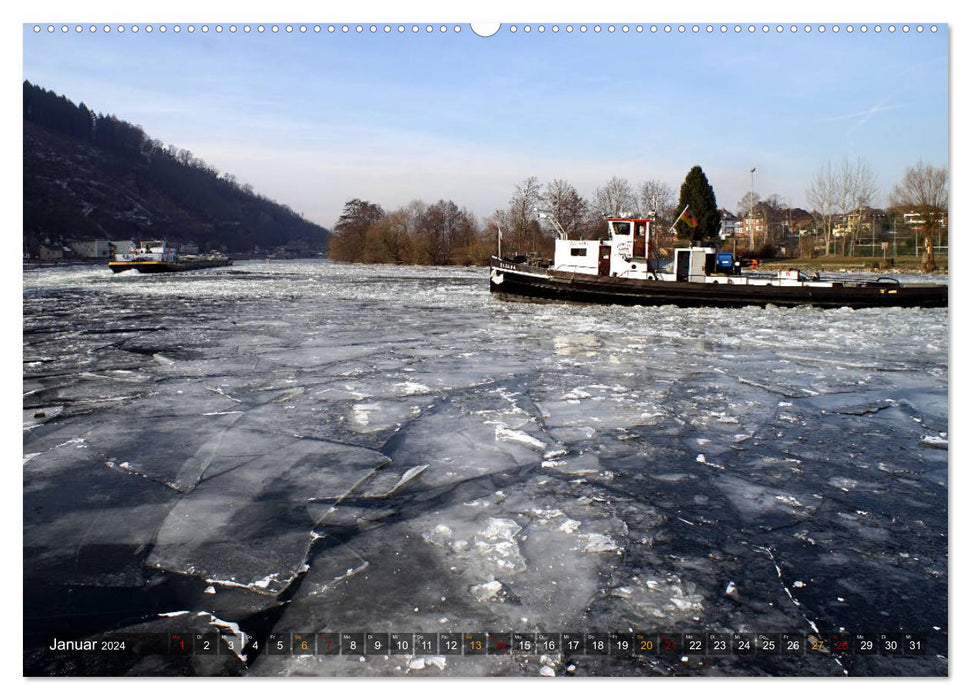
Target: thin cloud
{"type": "Point", "coordinates": [865, 115]}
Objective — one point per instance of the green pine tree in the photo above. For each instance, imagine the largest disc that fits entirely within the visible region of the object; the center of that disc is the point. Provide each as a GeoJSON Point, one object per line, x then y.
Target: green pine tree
{"type": "Point", "coordinates": [699, 197]}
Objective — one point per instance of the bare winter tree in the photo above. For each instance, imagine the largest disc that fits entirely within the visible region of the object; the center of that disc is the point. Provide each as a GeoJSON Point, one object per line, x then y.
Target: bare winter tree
{"type": "Point", "coordinates": [924, 190]}
{"type": "Point", "coordinates": [775, 209]}
{"type": "Point", "coordinates": [821, 195]}
{"type": "Point", "coordinates": [444, 229]}
{"type": "Point", "coordinates": [659, 197]}
{"type": "Point", "coordinates": [856, 187]}
{"type": "Point", "coordinates": [615, 197]}
{"type": "Point", "coordinates": [747, 204]}
{"type": "Point", "coordinates": [522, 214]}
{"type": "Point", "coordinates": [566, 204]}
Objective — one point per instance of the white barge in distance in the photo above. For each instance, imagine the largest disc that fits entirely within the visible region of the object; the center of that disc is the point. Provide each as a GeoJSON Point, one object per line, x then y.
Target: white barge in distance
{"type": "Point", "coordinates": [624, 268]}
{"type": "Point", "coordinates": [157, 256]}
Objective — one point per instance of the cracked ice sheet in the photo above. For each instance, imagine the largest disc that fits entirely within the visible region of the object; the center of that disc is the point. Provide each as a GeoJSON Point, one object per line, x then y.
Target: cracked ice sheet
{"type": "Point", "coordinates": [472, 435]}
{"type": "Point", "coordinates": [496, 559]}
{"type": "Point", "coordinates": [685, 533]}
{"type": "Point", "coordinates": [248, 523]}
{"type": "Point", "coordinates": [85, 524]}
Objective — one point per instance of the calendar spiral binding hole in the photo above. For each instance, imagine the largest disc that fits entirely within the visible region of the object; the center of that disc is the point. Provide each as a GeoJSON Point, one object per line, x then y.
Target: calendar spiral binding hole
{"type": "Point", "coordinates": [377, 29]}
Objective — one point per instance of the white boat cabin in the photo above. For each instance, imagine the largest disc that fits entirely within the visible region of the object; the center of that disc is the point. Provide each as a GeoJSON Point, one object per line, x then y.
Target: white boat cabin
{"type": "Point", "coordinates": [147, 251]}
{"type": "Point", "coordinates": [629, 252]}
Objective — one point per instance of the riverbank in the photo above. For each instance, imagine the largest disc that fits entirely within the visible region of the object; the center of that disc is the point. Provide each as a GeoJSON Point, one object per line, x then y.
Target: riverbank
{"type": "Point", "coordinates": [898, 265]}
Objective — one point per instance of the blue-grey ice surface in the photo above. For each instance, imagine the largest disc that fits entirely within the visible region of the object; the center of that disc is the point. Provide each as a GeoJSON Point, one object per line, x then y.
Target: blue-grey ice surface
{"type": "Point", "coordinates": [306, 446]}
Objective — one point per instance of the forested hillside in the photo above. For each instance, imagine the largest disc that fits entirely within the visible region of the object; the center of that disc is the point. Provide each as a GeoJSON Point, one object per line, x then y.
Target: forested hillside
{"type": "Point", "coordinates": [92, 176]}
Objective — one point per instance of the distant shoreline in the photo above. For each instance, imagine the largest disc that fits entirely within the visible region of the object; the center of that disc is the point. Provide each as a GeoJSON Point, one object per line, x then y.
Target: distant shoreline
{"type": "Point", "coordinates": [815, 265]}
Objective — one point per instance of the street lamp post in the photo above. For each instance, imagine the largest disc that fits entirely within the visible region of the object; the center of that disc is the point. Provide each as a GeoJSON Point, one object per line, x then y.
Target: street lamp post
{"type": "Point", "coordinates": [751, 207]}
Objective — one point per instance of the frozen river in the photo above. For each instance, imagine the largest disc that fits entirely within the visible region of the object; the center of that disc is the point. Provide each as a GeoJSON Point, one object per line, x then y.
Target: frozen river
{"type": "Point", "coordinates": [304, 447]}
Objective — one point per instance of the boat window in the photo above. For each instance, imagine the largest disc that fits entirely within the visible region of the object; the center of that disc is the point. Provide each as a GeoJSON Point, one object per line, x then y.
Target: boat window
{"type": "Point", "coordinates": [578, 251]}
{"type": "Point", "coordinates": [621, 228]}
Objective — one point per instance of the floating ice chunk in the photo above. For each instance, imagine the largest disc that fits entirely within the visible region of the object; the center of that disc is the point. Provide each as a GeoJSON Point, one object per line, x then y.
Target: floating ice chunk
{"type": "Point", "coordinates": [731, 590]}
{"type": "Point", "coordinates": [577, 393]}
{"type": "Point", "coordinates": [503, 433]}
{"type": "Point", "coordinates": [410, 475]}
{"type": "Point", "coordinates": [687, 603]}
{"type": "Point", "coordinates": [597, 542]}
{"type": "Point", "coordinates": [546, 514]}
{"type": "Point", "coordinates": [569, 526]}
{"type": "Point", "coordinates": [934, 441]}
{"type": "Point", "coordinates": [266, 580]}
{"type": "Point", "coordinates": [176, 613]}
{"type": "Point", "coordinates": [552, 454]}
{"type": "Point", "coordinates": [441, 535]}
{"type": "Point", "coordinates": [798, 584]}
{"type": "Point", "coordinates": [210, 590]}
{"type": "Point", "coordinates": [547, 672]}
{"type": "Point", "coordinates": [700, 458]}
{"type": "Point", "coordinates": [361, 413]}
{"type": "Point", "coordinates": [410, 388]}
{"type": "Point", "coordinates": [417, 663]}
{"type": "Point", "coordinates": [843, 483]}
{"type": "Point", "coordinates": [671, 478]}
{"type": "Point", "coordinates": [37, 416]}
{"type": "Point", "coordinates": [500, 529]}
{"type": "Point", "coordinates": [486, 591]}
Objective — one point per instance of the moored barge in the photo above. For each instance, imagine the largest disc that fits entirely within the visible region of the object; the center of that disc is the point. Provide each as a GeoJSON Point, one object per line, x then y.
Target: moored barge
{"type": "Point", "coordinates": [625, 269]}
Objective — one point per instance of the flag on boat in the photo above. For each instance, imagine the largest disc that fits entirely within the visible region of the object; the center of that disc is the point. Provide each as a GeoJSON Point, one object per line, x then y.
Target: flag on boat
{"type": "Point", "coordinates": [688, 218]}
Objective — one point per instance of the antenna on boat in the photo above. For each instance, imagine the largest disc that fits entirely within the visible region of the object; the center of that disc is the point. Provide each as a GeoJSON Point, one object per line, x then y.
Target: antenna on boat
{"type": "Point", "coordinates": [499, 235]}
{"type": "Point", "coordinates": [546, 214]}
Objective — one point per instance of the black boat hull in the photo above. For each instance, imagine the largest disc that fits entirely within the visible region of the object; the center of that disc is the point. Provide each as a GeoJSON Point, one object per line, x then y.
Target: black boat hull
{"type": "Point", "coordinates": [526, 282]}
{"type": "Point", "coordinates": [152, 266]}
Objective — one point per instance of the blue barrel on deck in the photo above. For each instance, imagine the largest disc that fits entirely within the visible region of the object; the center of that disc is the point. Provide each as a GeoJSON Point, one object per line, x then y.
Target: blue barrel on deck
{"type": "Point", "coordinates": [723, 262]}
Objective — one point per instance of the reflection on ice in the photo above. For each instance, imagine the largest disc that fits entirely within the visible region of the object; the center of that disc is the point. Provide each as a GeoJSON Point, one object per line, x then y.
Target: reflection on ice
{"type": "Point", "coordinates": [320, 447]}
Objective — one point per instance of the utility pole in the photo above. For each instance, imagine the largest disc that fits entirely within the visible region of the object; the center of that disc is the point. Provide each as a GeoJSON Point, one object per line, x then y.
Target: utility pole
{"type": "Point", "coordinates": [751, 207]}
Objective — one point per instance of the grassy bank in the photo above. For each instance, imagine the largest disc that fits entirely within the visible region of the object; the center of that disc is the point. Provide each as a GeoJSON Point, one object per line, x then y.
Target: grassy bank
{"type": "Point", "coordinates": [901, 263]}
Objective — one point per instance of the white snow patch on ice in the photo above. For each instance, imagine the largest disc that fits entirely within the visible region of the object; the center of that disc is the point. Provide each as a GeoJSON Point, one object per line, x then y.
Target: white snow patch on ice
{"type": "Point", "coordinates": [411, 388]}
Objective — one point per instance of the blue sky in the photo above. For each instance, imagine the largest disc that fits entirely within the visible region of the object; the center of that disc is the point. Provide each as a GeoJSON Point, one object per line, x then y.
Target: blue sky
{"type": "Point", "coordinates": [313, 120]}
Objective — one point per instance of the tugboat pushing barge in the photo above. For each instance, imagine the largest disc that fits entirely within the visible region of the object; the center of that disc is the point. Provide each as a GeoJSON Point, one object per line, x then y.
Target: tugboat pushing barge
{"type": "Point", "coordinates": [157, 256]}
{"type": "Point", "coordinates": [625, 268]}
